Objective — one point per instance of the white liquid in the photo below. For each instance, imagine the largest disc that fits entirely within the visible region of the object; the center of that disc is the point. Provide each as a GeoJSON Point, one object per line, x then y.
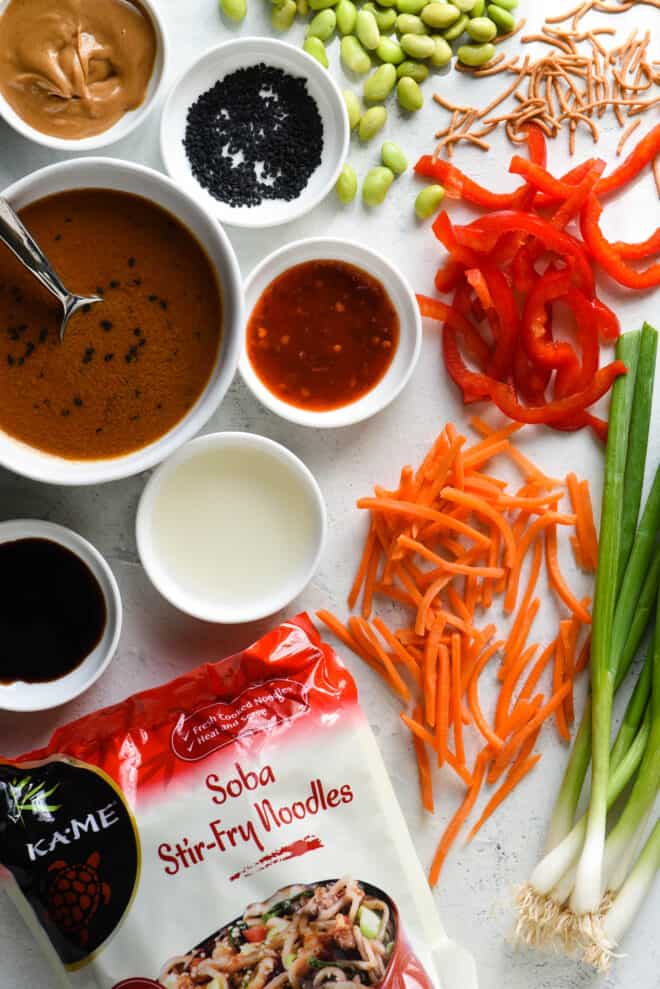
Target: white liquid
{"type": "Point", "coordinates": [234, 527]}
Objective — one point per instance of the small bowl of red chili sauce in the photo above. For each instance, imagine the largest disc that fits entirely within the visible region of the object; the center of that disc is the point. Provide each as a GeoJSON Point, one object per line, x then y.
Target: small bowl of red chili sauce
{"type": "Point", "coordinates": [334, 332]}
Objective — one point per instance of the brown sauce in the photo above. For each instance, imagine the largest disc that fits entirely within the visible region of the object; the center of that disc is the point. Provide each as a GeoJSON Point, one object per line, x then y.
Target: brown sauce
{"type": "Point", "coordinates": [72, 68]}
{"type": "Point", "coordinates": [52, 611]}
{"type": "Point", "coordinates": [132, 366]}
{"type": "Point", "coordinates": [322, 335]}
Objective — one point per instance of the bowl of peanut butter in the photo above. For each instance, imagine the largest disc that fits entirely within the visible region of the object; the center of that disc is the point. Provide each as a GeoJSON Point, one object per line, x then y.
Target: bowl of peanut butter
{"type": "Point", "coordinates": [79, 73]}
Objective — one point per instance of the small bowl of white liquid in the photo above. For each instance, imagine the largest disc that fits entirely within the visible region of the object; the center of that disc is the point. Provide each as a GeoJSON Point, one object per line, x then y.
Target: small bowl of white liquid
{"type": "Point", "coordinates": [231, 528]}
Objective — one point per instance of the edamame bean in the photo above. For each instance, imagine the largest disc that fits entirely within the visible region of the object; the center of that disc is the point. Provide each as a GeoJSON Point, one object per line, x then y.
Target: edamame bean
{"type": "Point", "coordinates": [302, 7]}
{"type": "Point", "coordinates": [428, 201]}
{"type": "Point", "coordinates": [440, 15]}
{"type": "Point", "coordinates": [322, 25]}
{"type": "Point", "coordinates": [475, 55]}
{"type": "Point", "coordinates": [322, 4]}
{"type": "Point", "coordinates": [465, 6]}
{"type": "Point", "coordinates": [409, 94]}
{"type": "Point", "coordinates": [442, 53]}
{"type": "Point", "coordinates": [456, 30]}
{"type": "Point", "coordinates": [505, 21]}
{"type": "Point", "coordinates": [385, 19]}
{"type": "Point", "coordinates": [367, 30]}
{"type": "Point", "coordinates": [481, 29]}
{"type": "Point", "coordinates": [353, 107]}
{"type": "Point", "coordinates": [353, 55]}
{"type": "Point", "coordinates": [380, 83]}
{"type": "Point", "coordinates": [376, 184]}
{"type": "Point", "coordinates": [508, 4]}
{"type": "Point", "coordinates": [410, 6]}
{"type": "Point", "coordinates": [415, 70]}
{"type": "Point", "coordinates": [386, 3]}
{"type": "Point", "coordinates": [371, 122]}
{"type": "Point", "coordinates": [417, 45]}
{"type": "Point", "coordinates": [410, 24]}
{"type": "Point", "coordinates": [315, 48]}
{"type": "Point", "coordinates": [346, 14]}
{"type": "Point", "coordinates": [390, 51]}
{"type": "Point", "coordinates": [347, 184]}
{"type": "Point", "coordinates": [479, 9]}
{"type": "Point", "coordinates": [393, 157]}
{"type": "Point", "coordinates": [234, 9]}
{"type": "Point", "coordinates": [283, 17]}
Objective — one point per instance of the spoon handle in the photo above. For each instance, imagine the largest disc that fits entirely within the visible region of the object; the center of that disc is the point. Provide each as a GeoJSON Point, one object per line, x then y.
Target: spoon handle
{"type": "Point", "coordinates": [28, 252]}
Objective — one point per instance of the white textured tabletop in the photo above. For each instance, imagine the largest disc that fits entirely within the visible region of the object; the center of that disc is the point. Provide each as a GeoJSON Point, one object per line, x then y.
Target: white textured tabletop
{"type": "Point", "coordinates": [158, 643]}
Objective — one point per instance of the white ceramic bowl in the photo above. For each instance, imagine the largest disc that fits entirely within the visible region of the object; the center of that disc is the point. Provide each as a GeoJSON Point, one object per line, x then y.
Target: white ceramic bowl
{"type": "Point", "coordinates": [221, 61]}
{"type": "Point", "coordinates": [125, 124]}
{"type": "Point", "coordinates": [110, 173]}
{"type": "Point", "coordinates": [291, 582]}
{"type": "Point", "coordinates": [20, 696]}
{"type": "Point", "coordinates": [403, 298]}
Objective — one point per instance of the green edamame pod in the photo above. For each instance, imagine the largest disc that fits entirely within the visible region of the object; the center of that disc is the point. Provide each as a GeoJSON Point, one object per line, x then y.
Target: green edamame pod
{"type": "Point", "coordinates": [475, 55]}
{"type": "Point", "coordinates": [457, 29]}
{"type": "Point", "coordinates": [410, 24]}
{"type": "Point", "coordinates": [322, 25]}
{"type": "Point", "coordinates": [479, 9]}
{"type": "Point", "coordinates": [371, 122]}
{"type": "Point", "coordinates": [234, 9]}
{"type": "Point", "coordinates": [410, 6]}
{"type": "Point", "coordinates": [440, 16]}
{"type": "Point", "coordinates": [442, 52]}
{"type": "Point", "coordinates": [353, 55]}
{"type": "Point", "coordinates": [508, 4]}
{"type": "Point", "coordinates": [346, 186]}
{"type": "Point", "coordinates": [465, 6]}
{"type": "Point", "coordinates": [376, 185]}
{"type": "Point", "coordinates": [415, 70]}
{"type": "Point", "coordinates": [409, 94]}
{"type": "Point", "coordinates": [283, 17]}
{"type": "Point", "coordinates": [503, 19]}
{"type": "Point", "coordinates": [481, 29]}
{"type": "Point", "coordinates": [353, 107]}
{"type": "Point", "coordinates": [393, 157]}
{"type": "Point", "coordinates": [390, 51]}
{"type": "Point", "coordinates": [316, 48]}
{"type": "Point", "coordinates": [380, 83]}
{"type": "Point", "coordinates": [346, 14]}
{"type": "Point", "coordinates": [417, 45]}
{"type": "Point", "coordinates": [366, 30]}
{"type": "Point", "coordinates": [428, 201]}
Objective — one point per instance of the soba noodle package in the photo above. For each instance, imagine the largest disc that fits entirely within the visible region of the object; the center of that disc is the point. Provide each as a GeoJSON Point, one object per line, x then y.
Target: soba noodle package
{"type": "Point", "coordinates": [233, 829]}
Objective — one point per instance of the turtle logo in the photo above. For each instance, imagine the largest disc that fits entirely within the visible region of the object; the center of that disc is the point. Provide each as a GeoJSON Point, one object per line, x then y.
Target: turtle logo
{"type": "Point", "coordinates": [74, 896]}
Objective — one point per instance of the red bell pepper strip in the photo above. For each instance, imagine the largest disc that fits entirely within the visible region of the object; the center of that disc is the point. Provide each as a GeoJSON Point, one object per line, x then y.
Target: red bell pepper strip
{"type": "Point", "coordinates": [578, 195]}
{"type": "Point", "coordinates": [473, 385]}
{"type": "Point", "coordinates": [448, 276]}
{"type": "Point", "coordinates": [530, 381]}
{"type": "Point", "coordinates": [483, 233]}
{"type": "Point", "coordinates": [572, 378]}
{"type": "Point", "coordinates": [560, 410]}
{"type": "Point", "coordinates": [539, 346]}
{"type": "Point", "coordinates": [476, 347]}
{"type": "Point", "coordinates": [504, 320]}
{"type": "Point", "coordinates": [580, 420]}
{"type": "Point", "coordinates": [571, 177]}
{"type": "Point", "coordinates": [536, 145]}
{"type": "Point", "coordinates": [540, 178]}
{"type": "Point", "coordinates": [459, 186]}
{"type": "Point", "coordinates": [523, 271]}
{"type": "Point", "coordinates": [641, 155]}
{"type": "Point", "coordinates": [475, 278]}
{"type": "Point", "coordinates": [643, 249]}
{"type": "Point", "coordinates": [604, 252]}
{"type": "Point", "coordinates": [609, 327]}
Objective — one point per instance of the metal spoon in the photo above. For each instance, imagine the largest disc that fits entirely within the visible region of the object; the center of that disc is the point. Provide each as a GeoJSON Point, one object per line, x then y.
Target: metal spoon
{"type": "Point", "coordinates": [19, 241]}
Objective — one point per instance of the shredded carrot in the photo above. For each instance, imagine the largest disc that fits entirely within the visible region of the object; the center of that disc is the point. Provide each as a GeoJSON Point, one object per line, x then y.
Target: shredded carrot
{"type": "Point", "coordinates": [423, 766]}
{"type": "Point", "coordinates": [459, 817]}
{"type": "Point", "coordinates": [444, 545]}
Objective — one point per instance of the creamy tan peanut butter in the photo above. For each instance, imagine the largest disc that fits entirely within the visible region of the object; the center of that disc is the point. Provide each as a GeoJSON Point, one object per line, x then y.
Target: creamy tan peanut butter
{"type": "Point", "coordinates": [72, 68]}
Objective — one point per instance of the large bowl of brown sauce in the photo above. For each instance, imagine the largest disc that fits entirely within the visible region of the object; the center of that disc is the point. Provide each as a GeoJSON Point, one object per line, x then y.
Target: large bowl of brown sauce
{"type": "Point", "coordinates": [139, 373]}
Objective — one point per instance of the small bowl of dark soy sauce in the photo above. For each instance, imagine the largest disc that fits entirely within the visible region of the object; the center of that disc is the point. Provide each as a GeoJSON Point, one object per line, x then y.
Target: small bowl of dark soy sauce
{"type": "Point", "coordinates": [60, 615]}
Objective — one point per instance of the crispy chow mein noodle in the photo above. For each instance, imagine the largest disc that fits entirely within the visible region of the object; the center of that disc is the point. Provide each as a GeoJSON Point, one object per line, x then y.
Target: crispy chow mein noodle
{"type": "Point", "coordinates": [337, 934]}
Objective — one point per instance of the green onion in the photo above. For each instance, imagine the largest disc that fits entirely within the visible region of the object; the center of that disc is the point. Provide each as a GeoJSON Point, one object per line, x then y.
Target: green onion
{"type": "Point", "coordinates": [587, 890]}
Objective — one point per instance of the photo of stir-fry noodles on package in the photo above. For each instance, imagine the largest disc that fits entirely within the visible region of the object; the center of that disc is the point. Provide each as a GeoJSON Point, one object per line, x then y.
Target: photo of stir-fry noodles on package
{"type": "Point", "coordinates": [232, 829]}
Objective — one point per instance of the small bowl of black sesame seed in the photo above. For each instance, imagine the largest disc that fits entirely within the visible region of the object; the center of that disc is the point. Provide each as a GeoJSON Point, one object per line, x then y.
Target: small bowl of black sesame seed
{"type": "Point", "coordinates": [257, 130]}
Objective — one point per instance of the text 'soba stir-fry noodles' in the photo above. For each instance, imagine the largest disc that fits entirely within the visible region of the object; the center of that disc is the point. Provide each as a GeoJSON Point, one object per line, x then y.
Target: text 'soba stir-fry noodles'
{"type": "Point", "coordinates": [233, 829]}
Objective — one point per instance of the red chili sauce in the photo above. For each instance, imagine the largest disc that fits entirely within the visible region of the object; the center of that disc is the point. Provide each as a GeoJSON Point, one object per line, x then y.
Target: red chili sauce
{"type": "Point", "coordinates": [322, 335]}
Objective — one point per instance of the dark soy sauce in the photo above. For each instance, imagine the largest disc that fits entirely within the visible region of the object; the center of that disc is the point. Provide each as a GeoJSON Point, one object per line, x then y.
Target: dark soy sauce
{"type": "Point", "coordinates": [52, 611]}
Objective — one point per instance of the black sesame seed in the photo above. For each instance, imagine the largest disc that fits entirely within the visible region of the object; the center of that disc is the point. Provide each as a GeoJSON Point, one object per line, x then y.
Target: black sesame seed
{"type": "Point", "coordinates": [77, 401]}
{"type": "Point", "coordinates": [114, 283]}
{"type": "Point", "coordinates": [131, 262]}
{"type": "Point", "coordinates": [106, 325]}
{"type": "Point", "coordinates": [152, 298]}
{"type": "Point", "coordinates": [108, 358]}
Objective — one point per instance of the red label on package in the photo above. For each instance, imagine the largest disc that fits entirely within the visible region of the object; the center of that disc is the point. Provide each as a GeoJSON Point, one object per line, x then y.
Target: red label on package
{"type": "Point", "coordinates": [259, 708]}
